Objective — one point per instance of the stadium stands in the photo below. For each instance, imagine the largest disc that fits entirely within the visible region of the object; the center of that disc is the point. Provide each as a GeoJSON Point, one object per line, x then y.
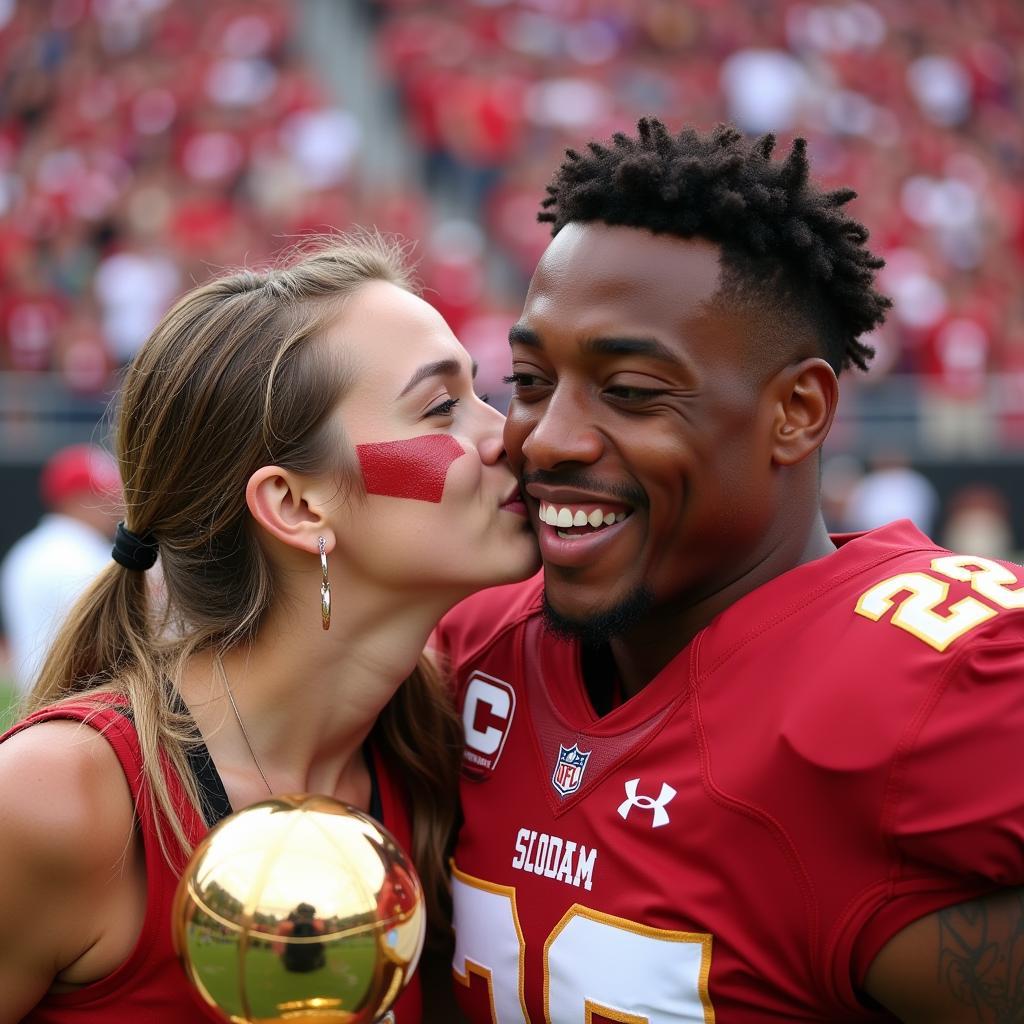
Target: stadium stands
{"type": "Point", "coordinates": [147, 143]}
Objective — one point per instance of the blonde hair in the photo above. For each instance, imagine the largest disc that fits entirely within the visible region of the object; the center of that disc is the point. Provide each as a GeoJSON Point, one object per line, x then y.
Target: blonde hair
{"type": "Point", "coordinates": [232, 379]}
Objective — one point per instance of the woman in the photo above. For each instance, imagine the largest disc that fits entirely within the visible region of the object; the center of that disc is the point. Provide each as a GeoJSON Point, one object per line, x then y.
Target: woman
{"type": "Point", "coordinates": [285, 438]}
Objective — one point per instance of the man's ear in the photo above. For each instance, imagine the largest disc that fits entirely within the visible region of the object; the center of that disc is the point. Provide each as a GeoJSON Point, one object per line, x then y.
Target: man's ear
{"type": "Point", "coordinates": [288, 508]}
{"type": "Point", "coordinates": [805, 398]}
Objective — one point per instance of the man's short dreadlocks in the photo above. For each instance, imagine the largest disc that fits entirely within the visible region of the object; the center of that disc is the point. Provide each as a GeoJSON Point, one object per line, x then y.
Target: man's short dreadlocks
{"type": "Point", "coordinates": [785, 244]}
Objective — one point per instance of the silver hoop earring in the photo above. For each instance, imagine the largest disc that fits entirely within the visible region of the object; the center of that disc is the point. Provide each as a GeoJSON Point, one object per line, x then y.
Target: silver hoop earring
{"type": "Point", "coordinates": [325, 587]}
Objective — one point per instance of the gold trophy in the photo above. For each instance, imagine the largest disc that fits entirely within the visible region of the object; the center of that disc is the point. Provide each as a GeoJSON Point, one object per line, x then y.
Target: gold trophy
{"type": "Point", "coordinates": [299, 908]}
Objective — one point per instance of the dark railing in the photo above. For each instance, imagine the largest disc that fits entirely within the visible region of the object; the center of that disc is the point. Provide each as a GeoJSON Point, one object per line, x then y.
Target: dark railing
{"type": "Point", "coordinates": [39, 414]}
{"type": "Point", "coordinates": [907, 414]}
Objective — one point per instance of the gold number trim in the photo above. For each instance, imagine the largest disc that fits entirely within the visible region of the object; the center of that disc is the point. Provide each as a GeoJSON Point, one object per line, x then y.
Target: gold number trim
{"type": "Point", "coordinates": [703, 939]}
{"type": "Point", "coordinates": [482, 972]}
{"type": "Point", "coordinates": [915, 611]}
{"type": "Point", "coordinates": [988, 578]}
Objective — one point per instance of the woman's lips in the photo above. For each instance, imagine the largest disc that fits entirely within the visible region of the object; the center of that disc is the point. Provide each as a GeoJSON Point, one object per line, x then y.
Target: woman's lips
{"type": "Point", "coordinates": [514, 503]}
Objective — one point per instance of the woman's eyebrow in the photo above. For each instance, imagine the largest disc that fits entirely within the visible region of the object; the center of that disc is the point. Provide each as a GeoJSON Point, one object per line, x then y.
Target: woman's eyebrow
{"type": "Point", "coordinates": [440, 368]}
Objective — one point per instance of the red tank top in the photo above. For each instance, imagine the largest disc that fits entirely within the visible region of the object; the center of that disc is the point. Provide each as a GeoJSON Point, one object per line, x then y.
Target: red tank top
{"type": "Point", "coordinates": [150, 985]}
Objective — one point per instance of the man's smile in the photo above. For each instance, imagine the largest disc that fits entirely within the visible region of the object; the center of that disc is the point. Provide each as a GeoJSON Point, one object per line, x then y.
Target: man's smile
{"type": "Point", "coordinates": [580, 519]}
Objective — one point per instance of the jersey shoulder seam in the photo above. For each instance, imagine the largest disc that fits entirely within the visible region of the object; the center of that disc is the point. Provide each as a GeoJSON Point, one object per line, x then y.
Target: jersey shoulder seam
{"type": "Point", "coordinates": [798, 606]}
{"type": "Point", "coordinates": [517, 620]}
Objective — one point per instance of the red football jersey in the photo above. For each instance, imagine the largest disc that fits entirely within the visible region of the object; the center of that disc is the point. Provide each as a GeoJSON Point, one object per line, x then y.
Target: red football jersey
{"type": "Point", "coordinates": [831, 758]}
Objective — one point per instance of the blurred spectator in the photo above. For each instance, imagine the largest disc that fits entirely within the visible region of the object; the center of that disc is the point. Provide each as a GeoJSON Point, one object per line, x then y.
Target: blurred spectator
{"type": "Point", "coordinates": [31, 314]}
{"type": "Point", "coordinates": [941, 87]}
{"type": "Point", "coordinates": [957, 417]}
{"type": "Point", "coordinates": [840, 474]}
{"type": "Point", "coordinates": [133, 289]}
{"type": "Point", "coordinates": [46, 570]}
{"type": "Point", "coordinates": [978, 523]}
{"type": "Point", "coordinates": [890, 490]}
{"type": "Point", "coordinates": [765, 90]}
{"type": "Point", "coordinates": [452, 271]}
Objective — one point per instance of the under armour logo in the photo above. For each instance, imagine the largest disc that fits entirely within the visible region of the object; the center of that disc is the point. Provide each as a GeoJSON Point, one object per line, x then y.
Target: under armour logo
{"type": "Point", "coordinates": [648, 803]}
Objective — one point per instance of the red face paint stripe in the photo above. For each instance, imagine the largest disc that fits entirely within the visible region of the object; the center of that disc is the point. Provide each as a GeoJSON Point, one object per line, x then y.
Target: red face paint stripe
{"type": "Point", "coordinates": [415, 469]}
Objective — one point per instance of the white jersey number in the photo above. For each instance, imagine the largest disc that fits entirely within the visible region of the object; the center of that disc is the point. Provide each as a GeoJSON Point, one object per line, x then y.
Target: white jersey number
{"type": "Point", "coordinates": [593, 963]}
{"type": "Point", "coordinates": [919, 598]}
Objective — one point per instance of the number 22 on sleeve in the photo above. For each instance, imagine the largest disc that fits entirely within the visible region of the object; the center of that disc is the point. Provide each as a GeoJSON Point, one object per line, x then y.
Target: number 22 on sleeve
{"type": "Point", "coordinates": [916, 612]}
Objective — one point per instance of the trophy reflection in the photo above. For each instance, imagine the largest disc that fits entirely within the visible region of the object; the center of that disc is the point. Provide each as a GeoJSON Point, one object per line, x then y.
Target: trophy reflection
{"type": "Point", "coordinates": [299, 908]}
{"type": "Point", "coordinates": [306, 950]}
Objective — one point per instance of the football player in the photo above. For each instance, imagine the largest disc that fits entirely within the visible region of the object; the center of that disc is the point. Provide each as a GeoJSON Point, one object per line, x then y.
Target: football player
{"type": "Point", "coordinates": [719, 764]}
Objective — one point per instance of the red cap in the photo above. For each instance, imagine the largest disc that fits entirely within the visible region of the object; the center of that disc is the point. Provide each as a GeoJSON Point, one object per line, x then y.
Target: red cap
{"type": "Point", "coordinates": [81, 469]}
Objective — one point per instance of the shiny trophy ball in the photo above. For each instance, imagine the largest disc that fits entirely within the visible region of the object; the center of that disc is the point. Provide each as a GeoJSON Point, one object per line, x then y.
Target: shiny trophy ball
{"type": "Point", "coordinates": [299, 908]}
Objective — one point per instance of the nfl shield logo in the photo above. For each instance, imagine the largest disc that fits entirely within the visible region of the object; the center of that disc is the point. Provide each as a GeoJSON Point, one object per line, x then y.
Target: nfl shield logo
{"type": "Point", "coordinates": [569, 768]}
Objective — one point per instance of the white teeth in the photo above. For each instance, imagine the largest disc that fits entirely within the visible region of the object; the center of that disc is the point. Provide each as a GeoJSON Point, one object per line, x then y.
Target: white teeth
{"type": "Point", "coordinates": [564, 518]}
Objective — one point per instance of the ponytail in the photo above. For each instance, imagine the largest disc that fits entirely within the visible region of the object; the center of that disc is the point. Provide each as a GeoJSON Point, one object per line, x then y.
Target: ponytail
{"type": "Point", "coordinates": [107, 646]}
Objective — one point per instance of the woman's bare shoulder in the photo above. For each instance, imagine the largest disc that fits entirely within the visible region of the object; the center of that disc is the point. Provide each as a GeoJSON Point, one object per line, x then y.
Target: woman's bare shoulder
{"type": "Point", "coordinates": [66, 817]}
{"type": "Point", "coordinates": [63, 791]}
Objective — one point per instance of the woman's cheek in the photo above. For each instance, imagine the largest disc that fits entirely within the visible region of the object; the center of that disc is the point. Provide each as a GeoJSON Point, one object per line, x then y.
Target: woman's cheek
{"type": "Point", "coordinates": [416, 468]}
{"type": "Point", "coordinates": [463, 483]}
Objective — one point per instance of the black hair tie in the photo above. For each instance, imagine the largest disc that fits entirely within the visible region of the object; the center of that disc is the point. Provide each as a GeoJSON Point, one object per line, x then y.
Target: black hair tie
{"type": "Point", "coordinates": [134, 551]}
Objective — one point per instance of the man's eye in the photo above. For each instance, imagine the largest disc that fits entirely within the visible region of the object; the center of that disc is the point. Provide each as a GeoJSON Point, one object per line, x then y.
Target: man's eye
{"type": "Point", "coordinates": [445, 408]}
{"type": "Point", "coordinates": [521, 380]}
{"type": "Point", "coordinates": [623, 393]}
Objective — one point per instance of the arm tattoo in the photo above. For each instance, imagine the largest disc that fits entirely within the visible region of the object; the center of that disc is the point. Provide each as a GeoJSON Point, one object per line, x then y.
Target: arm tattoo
{"type": "Point", "coordinates": [981, 956]}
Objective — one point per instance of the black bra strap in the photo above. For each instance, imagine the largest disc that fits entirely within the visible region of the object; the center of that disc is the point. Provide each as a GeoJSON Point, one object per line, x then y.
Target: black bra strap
{"type": "Point", "coordinates": [216, 805]}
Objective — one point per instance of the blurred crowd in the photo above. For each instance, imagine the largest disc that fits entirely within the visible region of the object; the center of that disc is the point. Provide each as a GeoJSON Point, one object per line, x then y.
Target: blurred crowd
{"type": "Point", "coordinates": [917, 104]}
{"type": "Point", "coordinates": [147, 143]}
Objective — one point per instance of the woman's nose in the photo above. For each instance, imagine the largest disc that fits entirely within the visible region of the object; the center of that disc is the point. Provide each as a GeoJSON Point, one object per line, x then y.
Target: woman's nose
{"type": "Point", "coordinates": [489, 440]}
